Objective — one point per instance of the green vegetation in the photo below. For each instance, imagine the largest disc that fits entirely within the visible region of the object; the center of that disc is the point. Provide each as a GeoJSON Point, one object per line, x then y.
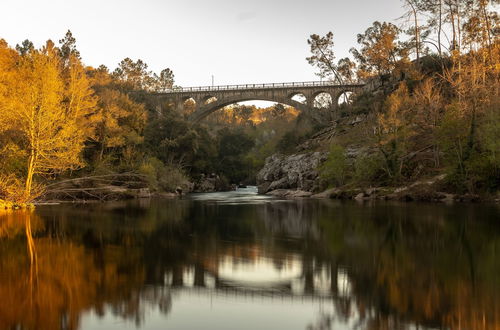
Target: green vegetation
{"type": "Point", "coordinates": [335, 168]}
{"type": "Point", "coordinates": [433, 110]}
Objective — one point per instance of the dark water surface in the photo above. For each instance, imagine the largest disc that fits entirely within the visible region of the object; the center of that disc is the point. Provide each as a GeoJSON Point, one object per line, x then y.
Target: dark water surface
{"type": "Point", "coordinates": [241, 261]}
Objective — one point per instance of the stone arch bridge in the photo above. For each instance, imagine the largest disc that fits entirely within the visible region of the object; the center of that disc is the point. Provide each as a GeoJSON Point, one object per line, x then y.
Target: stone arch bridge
{"type": "Point", "coordinates": [212, 98]}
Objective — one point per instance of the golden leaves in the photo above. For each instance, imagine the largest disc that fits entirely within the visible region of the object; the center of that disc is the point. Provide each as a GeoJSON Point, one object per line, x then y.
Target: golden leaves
{"type": "Point", "coordinates": [46, 108]}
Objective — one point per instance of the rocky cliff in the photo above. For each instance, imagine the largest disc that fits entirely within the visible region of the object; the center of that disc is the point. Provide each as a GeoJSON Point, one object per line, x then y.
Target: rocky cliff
{"type": "Point", "coordinates": [297, 172]}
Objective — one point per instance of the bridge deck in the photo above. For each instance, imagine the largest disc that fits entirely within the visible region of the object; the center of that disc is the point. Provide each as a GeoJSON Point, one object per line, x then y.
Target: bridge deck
{"type": "Point", "coordinates": [305, 84]}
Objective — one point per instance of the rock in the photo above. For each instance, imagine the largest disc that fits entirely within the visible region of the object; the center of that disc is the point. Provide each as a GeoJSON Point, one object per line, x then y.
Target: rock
{"type": "Point", "coordinates": [211, 183]}
{"type": "Point", "coordinates": [300, 194]}
{"type": "Point", "coordinates": [400, 189]}
{"type": "Point", "coordinates": [280, 184]}
{"type": "Point", "coordinates": [298, 171]}
{"type": "Point", "coordinates": [167, 195]}
{"type": "Point", "coordinates": [359, 197]}
{"type": "Point", "coordinates": [469, 198]}
{"type": "Point", "coordinates": [446, 198]}
{"type": "Point", "coordinates": [279, 192]}
{"type": "Point", "coordinates": [288, 193]}
{"type": "Point", "coordinates": [356, 120]}
{"type": "Point", "coordinates": [143, 193]}
{"type": "Point", "coordinates": [263, 188]}
{"type": "Point", "coordinates": [330, 193]}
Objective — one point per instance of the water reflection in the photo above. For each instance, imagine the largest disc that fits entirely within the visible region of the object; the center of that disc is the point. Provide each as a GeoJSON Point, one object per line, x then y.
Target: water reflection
{"type": "Point", "coordinates": [273, 265]}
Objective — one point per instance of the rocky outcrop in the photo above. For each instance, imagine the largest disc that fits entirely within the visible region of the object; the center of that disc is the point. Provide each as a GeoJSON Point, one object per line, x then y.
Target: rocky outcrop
{"type": "Point", "coordinates": [211, 183]}
{"type": "Point", "coordinates": [296, 172]}
{"type": "Point", "coordinates": [427, 190]}
{"type": "Point", "coordinates": [290, 193]}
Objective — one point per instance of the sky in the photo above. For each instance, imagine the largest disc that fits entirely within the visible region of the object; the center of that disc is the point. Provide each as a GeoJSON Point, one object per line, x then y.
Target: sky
{"type": "Point", "coordinates": [235, 41]}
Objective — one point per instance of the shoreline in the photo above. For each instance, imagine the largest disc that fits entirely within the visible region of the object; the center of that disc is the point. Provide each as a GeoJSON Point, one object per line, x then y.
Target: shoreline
{"type": "Point", "coordinates": [383, 194]}
{"type": "Point", "coordinates": [355, 194]}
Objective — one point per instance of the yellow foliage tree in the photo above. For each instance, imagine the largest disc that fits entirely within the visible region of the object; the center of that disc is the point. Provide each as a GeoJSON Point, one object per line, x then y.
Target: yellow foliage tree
{"type": "Point", "coordinates": [394, 130]}
{"type": "Point", "coordinates": [50, 114]}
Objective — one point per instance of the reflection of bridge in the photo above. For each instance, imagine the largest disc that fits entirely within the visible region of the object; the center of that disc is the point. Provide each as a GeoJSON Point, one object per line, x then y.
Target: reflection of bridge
{"type": "Point", "coordinates": [313, 283]}
{"type": "Point", "coordinates": [210, 99]}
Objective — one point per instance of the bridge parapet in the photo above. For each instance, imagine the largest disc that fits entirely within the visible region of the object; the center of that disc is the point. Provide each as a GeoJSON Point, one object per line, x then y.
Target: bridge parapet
{"type": "Point", "coordinates": [177, 90]}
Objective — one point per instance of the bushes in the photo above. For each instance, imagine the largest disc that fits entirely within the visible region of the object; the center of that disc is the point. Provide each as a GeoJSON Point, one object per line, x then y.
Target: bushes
{"type": "Point", "coordinates": [335, 169]}
{"type": "Point", "coordinates": [13, 190]}
{"type": "Point", "coordinates": [163, 178]}
{"type": "Point", "coordinates": [364, 170]}
{"type": "Point", "coordinates": [368, 170]}
{"type": "Point", "coordinates": [288, 142]}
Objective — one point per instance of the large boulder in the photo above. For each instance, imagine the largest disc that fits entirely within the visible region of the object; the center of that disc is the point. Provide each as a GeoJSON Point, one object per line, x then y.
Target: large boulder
{"type": "Point", "coordinates": [211, 183]}
{"type": "Point", "coordinates": [298, 171]}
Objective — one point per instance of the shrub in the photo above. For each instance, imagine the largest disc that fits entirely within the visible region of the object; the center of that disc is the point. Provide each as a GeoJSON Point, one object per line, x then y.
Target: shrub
{"type": "Point", "coordinates": [164, 178]}
{"type": "Point", "coordinates": [368, 169]}
{"type": "Point", "coordinates": [335, 169]}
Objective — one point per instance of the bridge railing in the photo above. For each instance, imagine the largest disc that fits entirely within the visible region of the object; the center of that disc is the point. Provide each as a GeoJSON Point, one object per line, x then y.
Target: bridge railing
{"type": "Point", "coordinates": [178, 89]}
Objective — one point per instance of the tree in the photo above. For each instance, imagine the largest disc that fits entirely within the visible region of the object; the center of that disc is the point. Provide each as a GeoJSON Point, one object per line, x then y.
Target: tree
{"type": "Point", "coordinates": [12, 155]}
{"type": "Point", "coordinates": [233, 145]}
{"type": "Point", "coordinates": [48, 111]}
{"type": "Point", "coordinates": [394, 130]}
{"type": "Point", "coordinates": [243, 112]}
{"type": "Point", "coordinates": [431, 32]}
{"type": "Point", "coordinates": [120, 123]}
{"type": "Point", "coordinates": [8, 61]}
{"type": "Point", "coordinates": [413, 12]}
{"type": "Point", "coordinates": [278, 110]}
{"type": "Point", "coordinates": [479, 25]}
{"type": "Point", "coordinates": [68, 48]}
{"type": "Point", "coordinates": [428, 105]}
{"type": "Point", "coordinates": [25, 47]}
{"type": "Point", "coordinates": [79, 99]}
{"type": "Point", "coordinates": [176, 141]}
{"type": "Point", "coordinates": [346, 69]}
{"type": "Point", "coordinates": [380, 50]}
{"type": "Point", "coordinates": [335, 169]}
{"type": "Point", "coordinates": [165, 80]}
{"type": "Point", "coordinates": [135, 75]}
{"type": "Point", "coordinates": [323, 56]}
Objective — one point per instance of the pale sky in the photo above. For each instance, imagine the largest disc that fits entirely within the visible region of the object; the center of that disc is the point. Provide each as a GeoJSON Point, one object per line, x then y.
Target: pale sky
{"type": "Point", "coordinates": [239, 42]}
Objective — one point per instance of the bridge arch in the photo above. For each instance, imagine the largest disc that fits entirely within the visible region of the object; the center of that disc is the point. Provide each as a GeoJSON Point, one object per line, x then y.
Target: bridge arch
{"type": "Point", "coordinates": [188, 104]}
{"type": "Point", "coordinates": [209, 99]}
{"type": "Point", "coordinates": [322, 99]}
{"type": "Point", "coordinates": [347, 93]}
{"type": "Point", "coordinates": [207, 109]}
{"type": "Point", "coordinates": [298, 97]}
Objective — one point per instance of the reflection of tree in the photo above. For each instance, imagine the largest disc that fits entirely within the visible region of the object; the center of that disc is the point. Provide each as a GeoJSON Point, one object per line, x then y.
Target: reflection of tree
{"type": "Point", "coordinates": [417, 265]}
{"type": "Point", "coordinates": [64, 279]}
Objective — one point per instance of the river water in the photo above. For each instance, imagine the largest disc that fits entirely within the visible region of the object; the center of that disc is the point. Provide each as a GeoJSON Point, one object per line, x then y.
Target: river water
{"type": "Point", "coordinates": [238, 260]}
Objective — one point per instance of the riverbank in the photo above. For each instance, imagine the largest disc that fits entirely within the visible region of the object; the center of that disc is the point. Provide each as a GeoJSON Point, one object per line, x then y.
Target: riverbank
{"type": "Point", "coordinates": [7, 205]}
{"type": "Point", "coordinates": [297, 176]}
{"type": "Point", "coordinates": [413, 193]}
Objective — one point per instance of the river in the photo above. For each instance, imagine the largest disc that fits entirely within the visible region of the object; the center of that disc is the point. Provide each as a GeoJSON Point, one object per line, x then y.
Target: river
{"type": "Point", "coordinates": [239, 260]}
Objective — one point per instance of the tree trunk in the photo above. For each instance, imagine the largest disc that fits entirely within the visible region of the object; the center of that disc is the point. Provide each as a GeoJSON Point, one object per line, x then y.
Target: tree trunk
{"type": "Point", "coordinates": [440, 27]}
{"type": "Point", "coordinates": [488, 28]}
{"type": "Point", "coordinates": [453, 31]}
{"type": "Point", "coordinates": [417, 32]}
{"type": "Point", "coordinates": [29, 176]}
